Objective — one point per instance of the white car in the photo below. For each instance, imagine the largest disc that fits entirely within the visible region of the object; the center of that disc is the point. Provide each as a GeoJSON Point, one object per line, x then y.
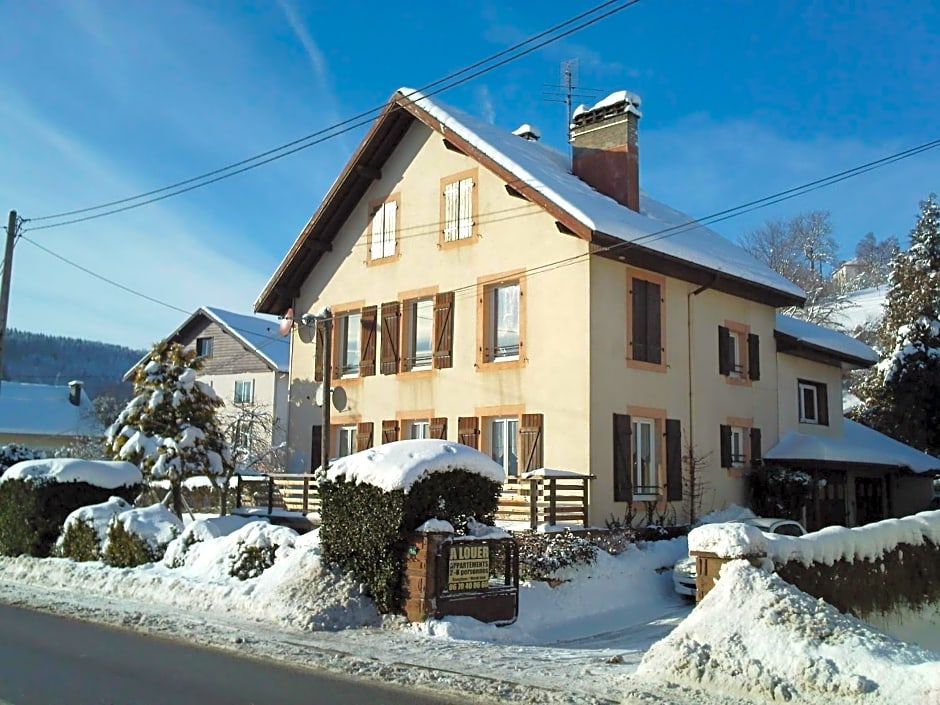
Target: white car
{"type": "Point", "coordinates": [683, 572]}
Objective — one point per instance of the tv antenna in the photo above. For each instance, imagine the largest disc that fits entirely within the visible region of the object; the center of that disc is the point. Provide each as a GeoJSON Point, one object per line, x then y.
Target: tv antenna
{"type": "Point", "coordinates": [568, 89]}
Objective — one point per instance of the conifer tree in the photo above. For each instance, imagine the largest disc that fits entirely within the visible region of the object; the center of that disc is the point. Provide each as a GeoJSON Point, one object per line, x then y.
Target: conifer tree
{"type": "Point", "coordinates": [169, 428]}
{"type": "Point", "coordinates": [901, 395]}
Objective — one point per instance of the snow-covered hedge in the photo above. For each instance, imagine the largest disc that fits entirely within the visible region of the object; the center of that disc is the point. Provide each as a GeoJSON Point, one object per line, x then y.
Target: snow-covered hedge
{"type": "Point", "coordinates": [140, 536]}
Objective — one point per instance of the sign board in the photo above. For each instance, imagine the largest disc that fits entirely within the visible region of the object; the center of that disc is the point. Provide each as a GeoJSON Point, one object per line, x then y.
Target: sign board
{"type": "Point", "coordinates": [469, 567]}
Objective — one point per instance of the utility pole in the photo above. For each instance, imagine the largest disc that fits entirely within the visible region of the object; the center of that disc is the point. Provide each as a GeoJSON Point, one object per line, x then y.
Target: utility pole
{"type": "Point", "coordinates": [327, 395]}
{"type": "Point", "coordinates": [12, 227]}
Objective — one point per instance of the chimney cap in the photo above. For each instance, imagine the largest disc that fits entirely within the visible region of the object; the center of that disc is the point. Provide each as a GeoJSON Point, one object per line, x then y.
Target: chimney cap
{"type": "Point", "coordinates": [527, 132]}
{"type": "Point", "coordinates": [614, 104]}
{"type": "Point", "coordinates": [76, 382]}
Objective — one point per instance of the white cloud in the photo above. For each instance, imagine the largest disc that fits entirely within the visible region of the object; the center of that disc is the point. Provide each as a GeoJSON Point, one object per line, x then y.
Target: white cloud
{"type": "Point", "coordinates": [485, 103]}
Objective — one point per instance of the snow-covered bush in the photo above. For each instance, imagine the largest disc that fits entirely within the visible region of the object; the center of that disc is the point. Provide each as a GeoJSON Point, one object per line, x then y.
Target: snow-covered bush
{"type": "Point", "coordinates": [12, 453]}
{"type": "Point", "coordinates": [86, 529]}
{"type": "Point", "coordinates": [541, 555]}
{"type": "Point", "coordinates": [252, 560]}
{"type": "Point", "coordinates": [140, 536]}
{"type": "Point", "coordinates": [780, 491]}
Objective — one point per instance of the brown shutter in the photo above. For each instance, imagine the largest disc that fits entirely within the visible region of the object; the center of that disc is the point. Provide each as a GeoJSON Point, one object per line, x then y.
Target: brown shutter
{"type": "Point", "coordinates": [822, 398]}
{"type": "Point", "coordinates": [390, 431]}
{"type": "Point", "coordinates": [623, 486]}
{"type": "Point", "coordinates": [318, 353]}
{"type": "Point", "coordinates": [725, 447]}
{"type": "Point", "coordinates": [654, 345]}
{"type": "Point", "coordinates": [367, 358]}
{"type": "Point", "coordinates": [725, 353]}
{"type": "Point", "coordinates": [530, 442]}
{"type": "Point", "coordinates": [753, 356]}
{"type": "Point", "coordinates": [391, 318]}
{"type": "Point", "coordinates": [756, 455]}
{"type": "Point", "coordinates": [673, 460]}
{"type": "Point", "coordinates": [438, 428]}
{"type": "Point", "coordinates": [639, 309]}
{"type": "Point", "coordinates": [444, 330]}
{"type": "Point", "coordinates": [364, 436]}
{"type": "Point", "coordinates": [468, 431]}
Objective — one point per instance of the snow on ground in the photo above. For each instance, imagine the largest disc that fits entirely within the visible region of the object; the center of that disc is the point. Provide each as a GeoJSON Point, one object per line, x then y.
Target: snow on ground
{"type": "Point", "coordinates": [757, 636]}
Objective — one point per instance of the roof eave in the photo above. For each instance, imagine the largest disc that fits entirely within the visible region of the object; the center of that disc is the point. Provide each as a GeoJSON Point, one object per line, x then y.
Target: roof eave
{"type": "Point", "coordinates": [792, 345]}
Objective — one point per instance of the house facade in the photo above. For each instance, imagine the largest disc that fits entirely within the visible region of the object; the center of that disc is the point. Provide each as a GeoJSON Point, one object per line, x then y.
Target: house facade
{"type": "Point", "coordinates": [245, 360]}
{"type": "Point", "coordinates": [46, 416]}
{"type": "Point", "coordinates": [484, 289]}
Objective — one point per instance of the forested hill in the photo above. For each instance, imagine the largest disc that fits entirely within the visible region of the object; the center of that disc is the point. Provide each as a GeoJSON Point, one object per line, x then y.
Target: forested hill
{"type": "Point", "coordinates": [52, 359]}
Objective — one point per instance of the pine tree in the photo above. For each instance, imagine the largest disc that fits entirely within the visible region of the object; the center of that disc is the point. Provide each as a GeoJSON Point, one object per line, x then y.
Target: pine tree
{"type": "Point", "coordinates": [169, 429]}
{"type": "Point", "coordinates": [901, 395]}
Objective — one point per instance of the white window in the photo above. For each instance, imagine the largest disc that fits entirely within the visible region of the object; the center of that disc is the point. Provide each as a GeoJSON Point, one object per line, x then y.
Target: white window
{"type": "Point", "coordinates": [345, 441]}
{"type": "Point", "coordinates": [384, 223]}
{"type": "Point", "coordinates": [419, 324]}
{"type": "Point", "coordinates": [458, 210]}
{"type": "Point", "coordinates": [203, 347]}
{"type": "Point", "coordinates": [737, 366]}
{"type": "Point", "coordinates": [738, 457]}
{"type": "Point", "coordinates": [809, 403]}
{"type": "Point", "coordinates": [244, 391]}
{"type": "Point", "coordinates": [504, 321]}
{"type": "Point", "coordinates": [504, 439]}
{"type": "Point", "coordinates": [644, 457]}
{"type": "Point", "coordinates": [419, 429]}
{"type": "Point", "coordinates": [349, 333]}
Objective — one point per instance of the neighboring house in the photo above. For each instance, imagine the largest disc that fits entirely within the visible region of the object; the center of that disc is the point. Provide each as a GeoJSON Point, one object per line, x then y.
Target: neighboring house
{"type": "Point", "coordinates": [484, 289]}
{"type": "Point", "coordinates": [46, 416]}
{"type": "Point", "coordinates": [246, 360]}
{"type": "Point", "coordinates": [847, 272]}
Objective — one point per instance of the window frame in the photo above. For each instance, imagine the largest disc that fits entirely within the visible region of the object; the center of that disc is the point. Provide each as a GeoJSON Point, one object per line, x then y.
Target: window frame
{"type": "Point", "coordinates": [820, 408]}
{"type": "Point", "coordinates": [641, 489]}
{"type": "Point", "coordinates": [207, 342]}
{"type": "Point", "coordinates": [350, 431]}
{"type": "Point", "coordinates": [510, 440]}
{"type": "Point", "coordinates": [740, 459]}
{"type": "Point", "coordinates": [341, 344]}
{"type": "Point", "coordinates": [374, 208]}
{"type": "Point", "coordinates": [419, 423]}
{"type": "Point", "coordinates": [471, 175]}
{"type": "Point", "coordinates": [660, 281]}
{"type": "Point", "coordinates": [409, 332]}
{"type": "Point", "coordinates": [487, 293]}
{"type": "Point", "coordinates": [743, 370]}
{"type": "Point", "coordinates": [251, 391]}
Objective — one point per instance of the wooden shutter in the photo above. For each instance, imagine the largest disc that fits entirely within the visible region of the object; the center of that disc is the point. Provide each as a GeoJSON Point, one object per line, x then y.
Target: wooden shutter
{"type": "Point", "coordinates": [638, 292]}
{"type": "Point", "coordinates": [530, 442]}
{"type": "Point", "coordinates": [756, 454]}
{"type": "Point", "coordinates": [753, 356]}
{"type": "Point", "coordinates": [364, 436]}
{"type": "Point", "coordinates": [388, 239]}
{"type": "Point", "coordinates": [378, 223]}
{"type": "Point", "coordinates": [725, 353]}
{"type": "Point", "coordinates": [437, 428]}
{"type": "Point", "coordinates": [465, 214]}
{"type": "Point", "coordinates": [391, 319]}
{"type": "Point", "coordinates": [451, 191]}
{"type": "Point", "coordinates": [468, 431]}
{"type": "Point", "coordinates": [623, 485]}
{"type": "Point", "coordinates": [367, 359]}
{"type": "Point", "coordinates": [673, 460]}
{"type": "Point", "coordinates": [444, 330]}
{"type": "Point", "coordinates": [725, 447]}
{"type": "Point", "coordinates": [822, 399]}
{"type": "Point", "coordinates": [654, 345]}
{"type": "Point", "coordinates": [390, 431]}
{"type": "Point", "coordinates": [318, 353]}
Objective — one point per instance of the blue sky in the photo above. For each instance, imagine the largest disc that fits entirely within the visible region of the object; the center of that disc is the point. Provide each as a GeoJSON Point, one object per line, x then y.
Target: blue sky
{"type": "Point", "coordinates": [103, 100]}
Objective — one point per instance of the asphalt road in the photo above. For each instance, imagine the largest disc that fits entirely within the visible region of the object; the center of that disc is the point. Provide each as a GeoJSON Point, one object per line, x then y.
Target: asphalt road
{"type": "Point", "coordinates": [46, 659]}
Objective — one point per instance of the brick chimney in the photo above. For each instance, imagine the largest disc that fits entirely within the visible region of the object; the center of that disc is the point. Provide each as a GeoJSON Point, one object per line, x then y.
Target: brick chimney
{"type": "Point", "coordinates": [75, 392]}
{"type": "Point", "coordinates": [605, 147]}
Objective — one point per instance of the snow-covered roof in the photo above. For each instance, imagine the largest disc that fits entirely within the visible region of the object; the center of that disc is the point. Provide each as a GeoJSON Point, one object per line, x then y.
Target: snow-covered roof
{"type": "Point", "coordinates": [109, 474]}
{"type": "Point", "coordinates": [258, 333]}
{"type": "Point", "coordinates": [548, 171]}
{"type": "Point", "coordinates": [45, 410]}
{"type": "Point", "coordinates": [398, 465]}
{"type": "Point", "coordinates": [863, 308]}
{"type": "Point", "coordinates": [857, 444]}
{"type": "Point", "coordinates": [826, 339]}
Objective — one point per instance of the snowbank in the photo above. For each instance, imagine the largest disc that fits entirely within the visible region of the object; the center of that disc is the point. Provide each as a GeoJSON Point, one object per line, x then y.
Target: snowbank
{"type": "Point", "coordinates": [156, 524]}
{"type": "Point", "coordinates": [731, 540]}
{"type": "Point", "coordinates": [398, 465]}
{"type": "Point", "coordinates": [757, 636]}
{"type": "Point", "coordinates": [109, 474]}
{"type": "Point", "coordinates": [97, 516]}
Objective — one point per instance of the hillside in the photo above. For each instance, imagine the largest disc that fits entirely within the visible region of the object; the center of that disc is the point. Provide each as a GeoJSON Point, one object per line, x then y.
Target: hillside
{"type": "Point", "coordinates": [51, 359]}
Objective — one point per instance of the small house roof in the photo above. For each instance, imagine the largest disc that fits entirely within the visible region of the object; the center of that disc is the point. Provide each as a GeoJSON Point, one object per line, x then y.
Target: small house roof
{"type": "Point", "coordinates": [45, 410]}
{"type": "Point", "coordinates": [818, 342]}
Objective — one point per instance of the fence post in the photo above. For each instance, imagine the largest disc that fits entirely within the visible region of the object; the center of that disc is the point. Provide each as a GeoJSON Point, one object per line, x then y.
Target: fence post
{"type": "Point", "coordinates": [533, 503]}
{"type": "Point", "coordinates": [552, 514]}
{"type": "Point", "coordinates": [306, 493]}
{"type": "Point", "coordinates": [270, 494]}
{"type": "Point", "coordinates": [238, 492]}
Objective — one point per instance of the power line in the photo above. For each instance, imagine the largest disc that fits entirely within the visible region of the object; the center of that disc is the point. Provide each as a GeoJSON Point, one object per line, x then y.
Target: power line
{"type": "Point", "coordinates": [363, 118]}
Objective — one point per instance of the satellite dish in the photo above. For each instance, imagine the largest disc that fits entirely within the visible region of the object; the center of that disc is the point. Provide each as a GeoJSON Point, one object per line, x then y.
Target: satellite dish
{"type": "Point", "coordinates": [318, 396]}
{"type": "Point", "coordinates": [287, 322]}
{"type": "Point", "coordinates": [339, 398]}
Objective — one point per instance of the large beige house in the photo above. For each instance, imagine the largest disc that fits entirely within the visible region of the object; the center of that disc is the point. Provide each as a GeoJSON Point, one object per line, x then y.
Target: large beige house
{"type": "Point", "coordinates": [486, 289]}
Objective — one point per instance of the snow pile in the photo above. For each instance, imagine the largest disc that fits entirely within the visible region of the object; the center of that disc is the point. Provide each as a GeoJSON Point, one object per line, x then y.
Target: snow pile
{"type": "Point", "coordinates": [109, 474]}
{"type": "Point", "coordinates": [398, 465]}
{"type": "Point", "coordinates": [155, 524]}
{"type": "Point", "coordinates": [757, 636]}
{"type": "Point", "coordinates": [731, 540]}
{"type": "Point", "coordinates": [207, 548]}
{"type": "Point", "coordinates": [97, 516]}
{"type": "Point", "coordinates": [868, 542]}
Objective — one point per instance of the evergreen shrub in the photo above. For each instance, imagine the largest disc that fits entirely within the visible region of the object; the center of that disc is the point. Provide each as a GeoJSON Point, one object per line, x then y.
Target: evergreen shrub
{"type": "Point", "coordinates": [542, 554]}
{"type": "Point", "coordinates": [125, 549]}
{"type": "Point", "coordinates": [250, 561]}
{"type": "Point", "coordinates": [79, 542]}
{"type": "Point", "coordinates": [32, 513]}
{"type": "Point", "coordinates": [366, 531]}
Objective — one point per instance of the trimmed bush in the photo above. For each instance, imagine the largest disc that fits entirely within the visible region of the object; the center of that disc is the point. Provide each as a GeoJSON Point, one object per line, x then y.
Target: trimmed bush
{"type": "Point", "coordinates": [79, 542]}
{"type": "Point", "coordinates": [124, 549]}
{"type": "Point", "coordinates": [251, 561]}
{"type": "Point", "coordinates": [780, 491]}
{"type": "Point", "coordinates": [32, 513]}
{"type": "Point", "coordinates": [366, 531]}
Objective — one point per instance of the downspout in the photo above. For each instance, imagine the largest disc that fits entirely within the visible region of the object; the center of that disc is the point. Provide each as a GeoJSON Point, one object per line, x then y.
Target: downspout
{"type": "Point", "coordinates": [688, 308]}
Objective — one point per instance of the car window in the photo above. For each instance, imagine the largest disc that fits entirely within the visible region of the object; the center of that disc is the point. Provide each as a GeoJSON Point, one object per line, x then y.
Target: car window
{"type": "Point", "coordinates": [789, 530]}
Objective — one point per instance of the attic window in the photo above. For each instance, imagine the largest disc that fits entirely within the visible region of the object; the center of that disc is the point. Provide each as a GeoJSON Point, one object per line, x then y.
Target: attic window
{"type": "Point", "coordinates": [204, 347]}
{"type": "Point", "coordinates": [458, 208]}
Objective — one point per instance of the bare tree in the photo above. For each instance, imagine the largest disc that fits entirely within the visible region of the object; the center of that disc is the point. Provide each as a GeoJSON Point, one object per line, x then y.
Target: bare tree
{"type": "Point", "coordinates": [249, 429]}
{"type": "Point", "coordinates": [695, 486]}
